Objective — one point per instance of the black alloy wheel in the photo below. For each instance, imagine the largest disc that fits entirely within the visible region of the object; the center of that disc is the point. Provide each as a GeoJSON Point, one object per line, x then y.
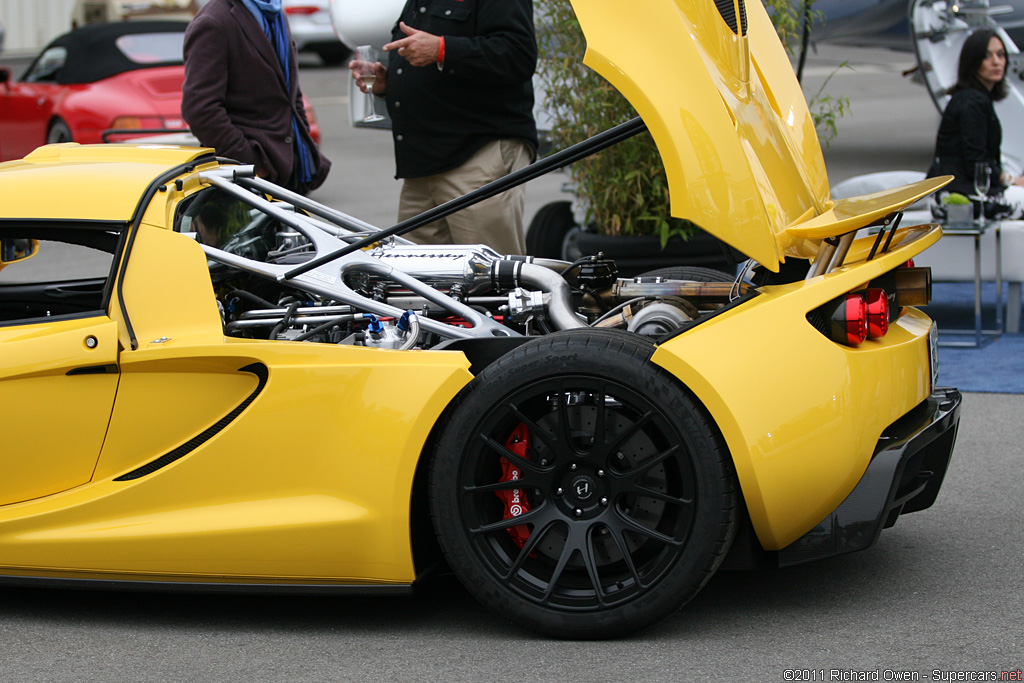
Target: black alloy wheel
{"type": "Point", "coordinates": [580, 490]}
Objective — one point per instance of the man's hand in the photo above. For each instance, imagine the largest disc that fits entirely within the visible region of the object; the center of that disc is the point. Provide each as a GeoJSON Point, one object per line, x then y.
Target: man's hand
{"type": "Point", "coordinates": [418, 47]}
{"type": "Point", "coordinates": [380, 82]}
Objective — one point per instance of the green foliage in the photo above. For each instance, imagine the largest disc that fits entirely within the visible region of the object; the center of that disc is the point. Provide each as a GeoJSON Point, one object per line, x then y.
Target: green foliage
{"type": "Point", "coordinates": [625, 187]}
{"type": "Point", "coordinates": [827, 110]}
{"type": "Point", "coordinates": [787, 15]}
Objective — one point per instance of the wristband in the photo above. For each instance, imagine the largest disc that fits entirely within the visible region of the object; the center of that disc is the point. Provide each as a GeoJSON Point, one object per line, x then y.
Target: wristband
{"type": "Point", "coordinates": [440, 54]}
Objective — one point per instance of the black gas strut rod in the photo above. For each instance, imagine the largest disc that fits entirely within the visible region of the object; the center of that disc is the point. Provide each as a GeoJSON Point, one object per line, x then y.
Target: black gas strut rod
{"type": "Point", "coordinates": [559, 159]}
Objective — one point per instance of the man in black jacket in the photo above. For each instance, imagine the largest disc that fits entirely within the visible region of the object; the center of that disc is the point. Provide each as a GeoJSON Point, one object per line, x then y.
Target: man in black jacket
{"type": "Point", "coordinates": [460, 94]}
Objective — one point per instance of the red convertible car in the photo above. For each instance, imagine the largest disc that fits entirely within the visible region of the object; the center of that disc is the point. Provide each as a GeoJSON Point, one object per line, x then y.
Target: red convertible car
{"type": "Point", "coordinates": [86, 84]}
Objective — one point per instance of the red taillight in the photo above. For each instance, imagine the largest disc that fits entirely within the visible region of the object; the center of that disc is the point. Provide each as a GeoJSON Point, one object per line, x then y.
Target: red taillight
{"type": "Point", "coordinates": [908, 264]}
{"type": "Point", "coordinates": [301, 10]}
{"type": "Point", "coordinates": [878, 313]}
{"type": "Point", "coordinates": [852, 317]}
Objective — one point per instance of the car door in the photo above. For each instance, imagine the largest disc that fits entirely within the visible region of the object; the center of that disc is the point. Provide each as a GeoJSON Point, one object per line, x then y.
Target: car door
{"type": "Point", "coordinates": [25, 112]}
{"type": "Point", "coordinates": [58, 359]}
{"type": "Point", "coordinates": [26, 105]}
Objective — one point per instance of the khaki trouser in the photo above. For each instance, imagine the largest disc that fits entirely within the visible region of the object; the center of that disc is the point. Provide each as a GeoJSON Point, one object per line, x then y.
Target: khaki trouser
{"type": "Point", "coordinates": [496, 222]}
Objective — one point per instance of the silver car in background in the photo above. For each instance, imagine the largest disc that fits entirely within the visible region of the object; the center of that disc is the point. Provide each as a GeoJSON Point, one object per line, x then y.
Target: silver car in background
{"type": "Point", "coordinates": [312, 31]}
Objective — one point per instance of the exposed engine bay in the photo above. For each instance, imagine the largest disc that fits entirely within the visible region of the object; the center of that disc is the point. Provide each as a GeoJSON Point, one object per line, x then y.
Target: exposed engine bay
{"type": "Point", "coordinates": [261, 241]}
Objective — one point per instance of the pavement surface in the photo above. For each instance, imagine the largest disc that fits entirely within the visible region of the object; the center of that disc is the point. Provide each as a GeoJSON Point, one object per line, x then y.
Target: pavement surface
{"type": "Point", "coordinates": [938, 597]}
{"type": "Point", "coordinates": [940, 592]}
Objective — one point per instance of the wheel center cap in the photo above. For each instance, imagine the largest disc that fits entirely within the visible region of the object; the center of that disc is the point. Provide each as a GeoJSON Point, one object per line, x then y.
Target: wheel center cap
{"type": "Point", "coordinates": [583, 488]}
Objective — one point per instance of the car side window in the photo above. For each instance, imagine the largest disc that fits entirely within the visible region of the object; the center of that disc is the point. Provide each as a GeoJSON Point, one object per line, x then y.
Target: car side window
{"type": "Point", "coordinates": [47, 66]}
{"type": "Point", "coordinates": [152, 48]}
{"type": "Point", "coordinates": [224, 221]}
{"type": "Point", "coordinates": [47, 272]}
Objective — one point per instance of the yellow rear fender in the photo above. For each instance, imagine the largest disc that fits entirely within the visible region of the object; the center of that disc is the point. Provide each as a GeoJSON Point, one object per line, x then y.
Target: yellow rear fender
{"type": "Point", "coordinates": [796, 444]}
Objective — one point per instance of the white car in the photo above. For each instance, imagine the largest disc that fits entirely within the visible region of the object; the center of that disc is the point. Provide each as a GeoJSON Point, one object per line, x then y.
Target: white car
{"type": "Point", "coordinates": [358, 22]}
{"type": "Point", "coordinates": [312, 31]}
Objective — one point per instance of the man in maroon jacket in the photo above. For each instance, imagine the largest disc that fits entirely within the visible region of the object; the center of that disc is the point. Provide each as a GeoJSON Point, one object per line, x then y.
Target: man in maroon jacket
{"type": "Point", "coordinates": [241, 94]}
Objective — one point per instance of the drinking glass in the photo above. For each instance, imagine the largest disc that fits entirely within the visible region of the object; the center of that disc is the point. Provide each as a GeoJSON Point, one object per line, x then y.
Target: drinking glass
{"type": "Point", "coordinates": [366, 60]}
{"type": "Point", "coordinates": [982, 183]}
{"type": "Point", "coordinates": [982, 178]}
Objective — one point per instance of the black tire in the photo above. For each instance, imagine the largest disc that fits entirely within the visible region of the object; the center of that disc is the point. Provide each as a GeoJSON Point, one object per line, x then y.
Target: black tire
{"type": "Point", "coordinates": [627, 493]}
{"type": "Point", "coordinates": [570, 250]}
{"type": "Point", "coordinates": [58, 132]}
{"type": "Point", "coordinates": [695, 273]}
{"type": "Point", "coordinates": [333, 55]}
{"type": "Point", "coordinates": [548, 229]}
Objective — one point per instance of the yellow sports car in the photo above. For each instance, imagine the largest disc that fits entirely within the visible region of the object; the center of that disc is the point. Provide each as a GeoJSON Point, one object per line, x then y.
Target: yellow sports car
{"type": "Point", "coordinates": [209, 382]}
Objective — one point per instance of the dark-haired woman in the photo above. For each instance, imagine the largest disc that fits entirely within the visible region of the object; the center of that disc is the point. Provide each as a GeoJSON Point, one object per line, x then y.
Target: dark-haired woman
{"type": "Point", "coordinates": [970, 131]}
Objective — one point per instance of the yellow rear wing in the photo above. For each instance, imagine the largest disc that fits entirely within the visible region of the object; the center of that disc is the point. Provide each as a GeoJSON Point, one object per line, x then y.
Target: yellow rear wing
{"type": "Point", "coordinates": [847, 215]}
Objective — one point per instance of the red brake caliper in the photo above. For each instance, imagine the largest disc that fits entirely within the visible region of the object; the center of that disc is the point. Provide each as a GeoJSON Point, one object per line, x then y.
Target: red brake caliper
{"type": "Point", "coordinates": [515, 500]}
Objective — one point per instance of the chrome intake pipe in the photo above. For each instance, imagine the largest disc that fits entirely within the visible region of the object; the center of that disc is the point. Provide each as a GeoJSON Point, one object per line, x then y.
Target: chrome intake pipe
{"type": "Point", "coordinates": [479, 269]}
{"type": "Point", "coordinates": [511, 272]}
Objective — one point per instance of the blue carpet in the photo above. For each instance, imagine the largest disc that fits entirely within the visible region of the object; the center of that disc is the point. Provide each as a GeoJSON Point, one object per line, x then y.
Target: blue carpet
{"type": "Point", "coordinates": [997, 367]}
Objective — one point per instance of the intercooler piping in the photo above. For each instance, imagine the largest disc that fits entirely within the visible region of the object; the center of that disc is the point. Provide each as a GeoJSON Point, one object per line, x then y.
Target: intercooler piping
{"type": "Point", "coordinates": [509, 273]}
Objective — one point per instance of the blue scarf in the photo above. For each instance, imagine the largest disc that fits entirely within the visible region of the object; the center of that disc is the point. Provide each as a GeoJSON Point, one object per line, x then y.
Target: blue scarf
{"type": "Point", "coordinates": [272, 20]}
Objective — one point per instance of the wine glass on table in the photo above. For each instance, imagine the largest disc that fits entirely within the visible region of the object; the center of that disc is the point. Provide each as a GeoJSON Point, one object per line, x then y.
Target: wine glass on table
{"type": "Point", "coordinates": [982, 183]}
{"type": "Point", "coordinates": [366, 60]}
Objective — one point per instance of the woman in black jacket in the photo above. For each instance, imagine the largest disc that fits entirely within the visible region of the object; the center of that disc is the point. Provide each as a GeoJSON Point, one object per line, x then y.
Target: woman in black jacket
{"type": "Point", "coordinates": [970, 131]}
